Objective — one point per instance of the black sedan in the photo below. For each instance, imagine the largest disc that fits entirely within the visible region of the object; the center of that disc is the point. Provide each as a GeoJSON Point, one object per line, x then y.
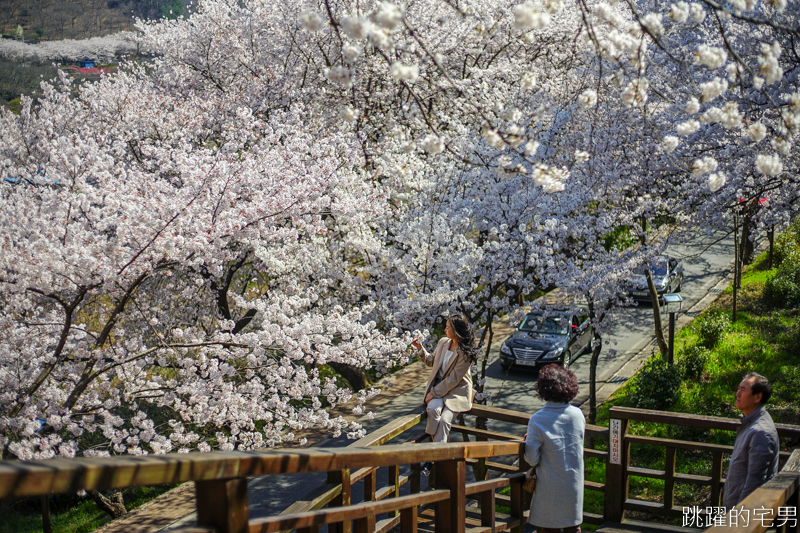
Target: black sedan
{"type": "Point", "coordinates": [546, 337]}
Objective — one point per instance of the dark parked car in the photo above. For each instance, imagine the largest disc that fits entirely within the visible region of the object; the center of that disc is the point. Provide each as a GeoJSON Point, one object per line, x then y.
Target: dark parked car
{"type": "Point", "coordinates": [667, 276]}
{"type": "Point", "coordinates": [546, 337]}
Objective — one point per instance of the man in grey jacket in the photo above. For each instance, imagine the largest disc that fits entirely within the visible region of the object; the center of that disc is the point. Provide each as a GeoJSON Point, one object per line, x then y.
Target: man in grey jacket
{"type": "Point", "coordinates": [754, 460]}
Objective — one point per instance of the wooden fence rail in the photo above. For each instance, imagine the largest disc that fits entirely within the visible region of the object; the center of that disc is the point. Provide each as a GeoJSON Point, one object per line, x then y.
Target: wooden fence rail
{"type": "Point", "coordinates": [221, 477]}
{"type": "Point", "coordinates": [619, 470]}
{"type": "Point", "coordinates": [221, 482]}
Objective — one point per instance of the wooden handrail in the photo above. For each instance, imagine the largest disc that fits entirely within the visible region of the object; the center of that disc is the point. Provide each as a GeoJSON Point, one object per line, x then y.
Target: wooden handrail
{"type": "Point", "coordinates": [394, 428]}
{"type": "Point", "coordinates": [504, 415]}
{"type": "Point", "coordinates": [683, 444]}
{"type": "Point", "coordinates": [781, 489]}
{"type": "Point", "coordinates": [785, 431]}
{"type": "Point", "coordinates": [55, 476]}
{"type": "Point", "coordinates": [338, 514]}
{"type": "Point", "coordinates": [221, 477]}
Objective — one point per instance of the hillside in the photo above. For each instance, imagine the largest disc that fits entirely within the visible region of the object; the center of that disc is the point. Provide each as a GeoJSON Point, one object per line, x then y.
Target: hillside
{"type": "Point", "coordinates": [78, 19]}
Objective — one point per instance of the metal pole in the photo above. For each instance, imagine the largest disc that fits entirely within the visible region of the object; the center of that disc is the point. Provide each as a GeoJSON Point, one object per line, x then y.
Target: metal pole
{"type": "Point", "coordinates": [671, 337]}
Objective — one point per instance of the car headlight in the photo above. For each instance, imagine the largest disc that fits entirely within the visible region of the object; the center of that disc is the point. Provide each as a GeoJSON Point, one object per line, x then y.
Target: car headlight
{"type": "Point", "coordinates": [554, 353]}
{"type": "Point", "coordinates": [505, 350]}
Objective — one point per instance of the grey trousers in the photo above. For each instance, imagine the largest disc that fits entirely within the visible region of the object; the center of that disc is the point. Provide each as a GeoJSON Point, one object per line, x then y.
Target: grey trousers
{"type": "Point", "coordinates": [440, 419]}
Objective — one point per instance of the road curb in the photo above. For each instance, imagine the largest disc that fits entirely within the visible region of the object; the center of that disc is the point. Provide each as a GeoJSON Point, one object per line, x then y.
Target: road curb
{"type": "Point", "coordinates": [635, 363]}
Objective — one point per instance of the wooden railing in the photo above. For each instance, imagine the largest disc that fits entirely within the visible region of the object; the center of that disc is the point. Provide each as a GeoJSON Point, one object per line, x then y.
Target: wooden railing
{"type": "Point", "coordinates": [619, 469]}
{"type": "Point", "coordinates": [338, 489]}
{"type": "Point", "coordinates": [221, 484]}
{"type": "Point", "coordinates": [221, 478]}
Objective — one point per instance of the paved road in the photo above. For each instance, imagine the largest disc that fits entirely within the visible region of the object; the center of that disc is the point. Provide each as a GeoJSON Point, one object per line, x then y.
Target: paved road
{"type": "Point", "coordinates": [705, 264]}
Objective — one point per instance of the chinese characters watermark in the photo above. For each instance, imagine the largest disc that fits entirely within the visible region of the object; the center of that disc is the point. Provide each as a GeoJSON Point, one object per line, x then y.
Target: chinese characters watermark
{"type": "Point", "coordinates": [716, 516]}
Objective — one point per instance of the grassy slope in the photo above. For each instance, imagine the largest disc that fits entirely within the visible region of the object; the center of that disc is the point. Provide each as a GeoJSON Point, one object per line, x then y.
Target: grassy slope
{"type": "Point", "coordinates": [70, 513]}
{"type": "Point", "coordinates": [763, 340]}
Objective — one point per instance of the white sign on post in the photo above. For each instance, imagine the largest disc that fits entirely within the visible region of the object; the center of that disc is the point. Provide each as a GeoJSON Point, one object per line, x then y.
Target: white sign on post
{"type": "Point", "coordinates": [615, 430]}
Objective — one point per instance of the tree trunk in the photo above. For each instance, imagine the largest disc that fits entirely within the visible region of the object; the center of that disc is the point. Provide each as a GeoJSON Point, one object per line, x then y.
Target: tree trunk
{"type": "Point", "coordinates": [659, 327]}
{"type": "Point", "coordinates": [746, 245]}
{"type": "Point", "coordinates": [598, 346]}
{"type": "Point", "coordinates": [356, 377]}
{"type": "Point", "coordinates": [114, 506]}
{"type": "Point", "coordinates": [481, 422]}
{"type": "Point", "coordinates": [771, 237]}
{"type": "Point", "coordinates": [735, 262]}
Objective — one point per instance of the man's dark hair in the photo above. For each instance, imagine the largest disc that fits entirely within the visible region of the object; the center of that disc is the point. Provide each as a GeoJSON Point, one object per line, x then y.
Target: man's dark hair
{"type": "Point", "coordinates": [760, 384]}
{"type": "Point", "coordinates": [556, 384]}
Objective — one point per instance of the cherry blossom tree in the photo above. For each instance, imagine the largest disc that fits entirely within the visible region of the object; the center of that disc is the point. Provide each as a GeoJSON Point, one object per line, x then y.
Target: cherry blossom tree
{"type": "Point", "coordinates": [108, 48]}
{"type": "Point", "coordinates": [166, 278]}
{"type": "Point", "coordinates": [288, 182]}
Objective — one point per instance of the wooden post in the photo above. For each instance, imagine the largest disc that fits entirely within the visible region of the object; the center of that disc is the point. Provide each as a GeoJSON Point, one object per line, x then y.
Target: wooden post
{"type": "Point", "coordinates": [47, 525]}
{"type": "Point", "coordinates": [669, 482]}
{"type": "Point", "coordinates": [408, 520]}
{"type": "Point", "coordinates": [520, 500]}
{"type": "Point", "coordinates": [479, 468]}
{"type": "Point", "coordinates": [487, 509]}
{"type": "Point", "coordinates": [367, 525]}
{"type": "Point", "coordinates": [340, 477]}
{"type": "Point", "coordinates": [415, 478]}
{"type": "Point", "coordinates": [617, 470]}
{"type": "Point", "coordinates": [716, 478]}
{"type": "Point", "coordinates": [524, 467]}
{"type": "Point", "coordinates": [517, 505]}
{"type": "Point", "coordinates": [793, 501]}
{"type": "Point", "coordinates": [222, 504]}
{"type": "Point", "coordinates": [364, 525]}
{"type": "Point", "coordinates": [451, 514]}
{"type": "Point", "coordinates": [370, 480]}
{"type": "Point", "coordinates": [394, 480]}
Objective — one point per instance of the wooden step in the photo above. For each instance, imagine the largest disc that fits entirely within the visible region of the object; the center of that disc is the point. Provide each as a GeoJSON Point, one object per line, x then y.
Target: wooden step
{"type": "Point", "coordinates": [638, 526]}
{"type": "Point", "coordinates": [503, 522]}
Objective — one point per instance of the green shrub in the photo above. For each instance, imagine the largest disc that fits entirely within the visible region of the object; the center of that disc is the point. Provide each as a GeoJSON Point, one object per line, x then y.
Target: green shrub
{"type": "Point", "coordinates": [788, 391]}
{"type": "Point", "coordinates": [786, 242]}
{"type": "Point", "coordinates": [783, 289]}
{"type": "Point", "coordinates": [692, 362]}
{"type": "Point", "coordinates": [711, 327]}
{"type": "Point", "coordinates": [15, 106]}
{"type": "Point", "coordinates": [657, 385]}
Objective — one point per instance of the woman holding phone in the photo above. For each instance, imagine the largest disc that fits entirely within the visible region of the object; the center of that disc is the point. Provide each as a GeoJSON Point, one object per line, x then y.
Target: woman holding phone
{"type": "Point", "coordinates": [449, 389]}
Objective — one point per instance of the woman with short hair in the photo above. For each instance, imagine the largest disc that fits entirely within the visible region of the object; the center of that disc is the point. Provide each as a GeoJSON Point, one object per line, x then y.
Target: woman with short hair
{"type": "Point", "coordinates": [554, 446]}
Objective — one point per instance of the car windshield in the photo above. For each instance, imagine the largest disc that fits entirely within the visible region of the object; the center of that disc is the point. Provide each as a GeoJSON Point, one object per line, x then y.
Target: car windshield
{"type": "Point", "coordinates": [552, 324]}
{"type": "Point", "coordinates": [658, 267]}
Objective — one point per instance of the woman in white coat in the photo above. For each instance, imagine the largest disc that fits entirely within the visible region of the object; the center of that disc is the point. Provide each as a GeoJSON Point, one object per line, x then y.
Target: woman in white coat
{"type": "Point", "coordinates": [554, 445]}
